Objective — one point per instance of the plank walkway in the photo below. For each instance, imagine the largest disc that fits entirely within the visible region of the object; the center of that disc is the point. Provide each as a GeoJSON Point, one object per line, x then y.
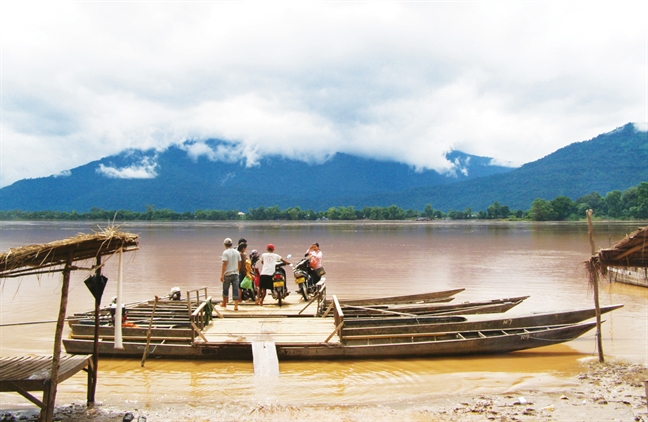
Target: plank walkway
{"type": "Point", "coordinates": [33, 373]}
{"type": "Point", "coordinates": [291, 306]}
{"type": "Point", "coordinates": [274, 329]}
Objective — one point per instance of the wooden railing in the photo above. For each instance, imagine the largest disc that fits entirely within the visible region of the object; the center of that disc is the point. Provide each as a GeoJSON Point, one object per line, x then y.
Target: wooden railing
{"type": "Point", "coordinates": [201, 317]}
{"type": "Point", "coordinates": [338, 317]}
{"type": "Point", "coordinates": [320, 297]}
{"type": "Point", "coordinates": [197, 294]}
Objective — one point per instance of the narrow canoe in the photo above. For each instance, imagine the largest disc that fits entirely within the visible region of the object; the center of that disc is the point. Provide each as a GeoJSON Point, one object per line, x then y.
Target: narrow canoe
{"type": "Point", "coordinates": [382, 326]}
{"type": "Point", "coordinates": [393, 300]}
{"type": "Point", "coordinates": [466, 308]}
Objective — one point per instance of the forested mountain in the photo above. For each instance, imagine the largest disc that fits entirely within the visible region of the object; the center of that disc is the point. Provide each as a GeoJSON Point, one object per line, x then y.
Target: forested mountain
{"type": "Point", "coordinates": [613, 161]}
{"type": "Point", "coordinates": [616, 160]}
{"type": "Point", "coordinates": [182, 183]}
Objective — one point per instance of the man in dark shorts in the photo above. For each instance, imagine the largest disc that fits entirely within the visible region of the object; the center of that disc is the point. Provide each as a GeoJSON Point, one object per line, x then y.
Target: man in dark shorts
{"type": "Point", "coordinates": [268, 261]}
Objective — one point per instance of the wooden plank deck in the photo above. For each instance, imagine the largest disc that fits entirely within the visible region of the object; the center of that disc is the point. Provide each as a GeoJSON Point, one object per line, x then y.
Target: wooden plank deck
{"type": "Point", "coordinates": [291, 306]}
{"type": "Point", "coordinates": [275, 329]}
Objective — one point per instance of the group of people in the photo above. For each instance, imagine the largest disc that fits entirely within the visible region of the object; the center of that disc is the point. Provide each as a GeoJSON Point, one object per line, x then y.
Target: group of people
{"type": "Point", "coordinates": [238, 265]}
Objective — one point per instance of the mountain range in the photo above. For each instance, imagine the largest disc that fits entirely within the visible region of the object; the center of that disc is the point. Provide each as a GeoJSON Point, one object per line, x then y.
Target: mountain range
{"type": "Point", "coordinates": [178, 180]}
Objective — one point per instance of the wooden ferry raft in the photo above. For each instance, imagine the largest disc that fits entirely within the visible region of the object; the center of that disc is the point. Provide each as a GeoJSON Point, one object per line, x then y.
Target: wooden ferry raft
{"type": "Point", "coordinates": [295, 336]}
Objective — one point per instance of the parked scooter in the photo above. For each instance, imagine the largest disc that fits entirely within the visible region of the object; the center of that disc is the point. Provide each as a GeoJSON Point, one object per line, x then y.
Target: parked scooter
{"type": "Point", "coordinates": [304, 279]}
{"type": "Point", "coordinates": [279, 288]}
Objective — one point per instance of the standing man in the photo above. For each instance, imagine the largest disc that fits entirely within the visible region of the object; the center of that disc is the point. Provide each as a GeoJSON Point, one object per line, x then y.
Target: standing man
{"type": "Point", "coordinates": [230, 273]}
{"type": "Point", "coordinates": [269, 261]}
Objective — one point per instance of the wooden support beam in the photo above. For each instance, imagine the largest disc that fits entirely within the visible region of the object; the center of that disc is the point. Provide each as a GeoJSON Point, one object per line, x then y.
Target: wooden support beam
{"type": "Point", "coordinates": [26, 394]}
{"type": "Point", "coordinates": [337, 330]}
{"type": "Point", "coordinates": [199, 331]}
{"type": "Point", "coordinates": [47, 413]}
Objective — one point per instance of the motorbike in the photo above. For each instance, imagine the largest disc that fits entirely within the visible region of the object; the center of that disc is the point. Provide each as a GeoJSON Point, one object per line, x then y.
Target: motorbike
{"type": "Point", "coordinates": [279, 288]}
{"type": "Point", "coordinates": [304, 279]}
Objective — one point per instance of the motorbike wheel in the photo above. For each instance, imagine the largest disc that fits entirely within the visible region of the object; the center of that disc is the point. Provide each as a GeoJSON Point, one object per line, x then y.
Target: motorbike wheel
{"type": "Point", "coordinates": [280, 297]}
{"type": "Point", "coordinates": [303, 290]}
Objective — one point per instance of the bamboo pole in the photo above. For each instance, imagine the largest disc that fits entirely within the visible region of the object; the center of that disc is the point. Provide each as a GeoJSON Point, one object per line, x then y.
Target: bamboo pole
{"type": "Point", "coordinates": [594, 277]}
{"type": "Point", "coordinates": [47, 413]}
{"type": "Point", "coordinates": [148, 333]}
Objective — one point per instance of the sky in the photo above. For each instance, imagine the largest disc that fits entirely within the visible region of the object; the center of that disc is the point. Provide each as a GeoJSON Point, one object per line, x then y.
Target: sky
{"type": "Point", "coordinates": [401, 81]}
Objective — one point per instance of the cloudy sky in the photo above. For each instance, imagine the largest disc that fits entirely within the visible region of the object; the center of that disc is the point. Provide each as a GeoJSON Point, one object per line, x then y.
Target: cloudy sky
{"type": "Point", "coordinates": [391, 80]}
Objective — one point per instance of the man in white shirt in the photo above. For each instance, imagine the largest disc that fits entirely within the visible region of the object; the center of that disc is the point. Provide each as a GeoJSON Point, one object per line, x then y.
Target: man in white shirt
{"type": "Point", "coordinates": [268, 260]}
{"type": "Point", "coordinates": [230, 273]}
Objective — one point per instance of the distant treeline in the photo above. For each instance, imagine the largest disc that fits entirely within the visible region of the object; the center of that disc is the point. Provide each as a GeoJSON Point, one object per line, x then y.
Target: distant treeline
{"type": "Point", "coordinates": [629, 204]}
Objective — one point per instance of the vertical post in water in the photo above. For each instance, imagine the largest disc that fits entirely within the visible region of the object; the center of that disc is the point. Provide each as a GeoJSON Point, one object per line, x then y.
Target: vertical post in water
{"type": "Point", "coordinates": [148, 332]}
{"type": "Point", "coordinates": [92, 372]}
{"type": "Point", "coordinates": [594, 278]}
{"type": "Point", "coordinates": [119, 308]}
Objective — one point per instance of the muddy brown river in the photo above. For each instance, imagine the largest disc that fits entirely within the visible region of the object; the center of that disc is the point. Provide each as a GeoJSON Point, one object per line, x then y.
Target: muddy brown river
{"type": "Point", "coordinates": [489, 260]}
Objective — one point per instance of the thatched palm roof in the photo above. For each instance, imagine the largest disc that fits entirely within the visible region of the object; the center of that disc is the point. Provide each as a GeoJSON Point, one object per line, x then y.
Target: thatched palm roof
{"type": "Point", "coordinates": [629, 252]}
{"type": "Point", "coordinates": [28, 259]}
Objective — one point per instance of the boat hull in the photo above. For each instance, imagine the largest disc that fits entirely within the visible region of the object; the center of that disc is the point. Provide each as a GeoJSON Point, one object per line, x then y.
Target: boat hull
{"type": "Point", "coordinates": [504, 343]}
{"type": "Point", "coordinates": [446, 344]}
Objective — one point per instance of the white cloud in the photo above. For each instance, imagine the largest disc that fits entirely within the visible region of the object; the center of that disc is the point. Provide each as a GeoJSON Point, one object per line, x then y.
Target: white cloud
{"type": "Point", "coordinates": [402, 81]}
{"type": "Point", "coordinates": [146, 169]}
{"type": "Point", "coordinates": [641, 126]}
{"type": "Point", "coordinates": [64, 173]}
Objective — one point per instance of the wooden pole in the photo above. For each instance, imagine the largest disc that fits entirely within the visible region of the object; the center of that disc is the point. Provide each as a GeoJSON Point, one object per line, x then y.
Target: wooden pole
{"type": "Point", "coordinates": [47, 413]}
{"type": "Point", "coordinates": [597, 306]}
{"type": "Point", "coordinates": [92, 372]}
{"type": "Point", "coordinates": [148, 333]}
{"type": "Point", "coordinates": [119, 309]}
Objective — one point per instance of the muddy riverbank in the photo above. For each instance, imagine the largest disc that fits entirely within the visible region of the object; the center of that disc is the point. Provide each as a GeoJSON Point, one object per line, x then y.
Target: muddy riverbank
{"type": "Point", "coordinates": [612, 391]}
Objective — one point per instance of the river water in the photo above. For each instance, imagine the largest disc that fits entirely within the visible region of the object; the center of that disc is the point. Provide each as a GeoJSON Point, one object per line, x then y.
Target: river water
{"type": "Point", "coordinates": [363, 259]}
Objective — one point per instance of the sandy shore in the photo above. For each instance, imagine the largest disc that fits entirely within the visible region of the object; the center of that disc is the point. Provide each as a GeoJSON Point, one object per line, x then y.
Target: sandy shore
{"type": "Point", "coordinates": [612, 391]}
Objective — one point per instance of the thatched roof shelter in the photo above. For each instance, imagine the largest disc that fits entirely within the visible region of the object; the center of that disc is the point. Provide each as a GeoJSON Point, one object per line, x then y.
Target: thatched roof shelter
{"type": "Point", "coordinates": [60, 256]}
{"type": "Point", "coordinates": [51, 257]}
{"type": "Point", "coordinates": [629, 252]}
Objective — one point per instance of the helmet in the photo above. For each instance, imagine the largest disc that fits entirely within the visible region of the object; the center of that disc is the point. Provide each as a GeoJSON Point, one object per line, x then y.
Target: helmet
{"type": "Point", "coordinates": [254, 255]}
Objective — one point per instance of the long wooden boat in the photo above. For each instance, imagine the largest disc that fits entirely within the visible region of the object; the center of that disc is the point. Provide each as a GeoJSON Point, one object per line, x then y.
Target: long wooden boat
{"type": "Point", "coordinates": [454, 343]}
{"type": "Point", "coordinates": [393, 300]}
{"type": "Point", "coordinates": [466, 308]}
{"type": "Point", "coordinates": [87, 331]}
{"type": "Point", "coordinates": [395, 325]}
{"type": "Point", "coordinates": [624, 275]}
{"type": "Point", "coordinates": [448, 343]}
